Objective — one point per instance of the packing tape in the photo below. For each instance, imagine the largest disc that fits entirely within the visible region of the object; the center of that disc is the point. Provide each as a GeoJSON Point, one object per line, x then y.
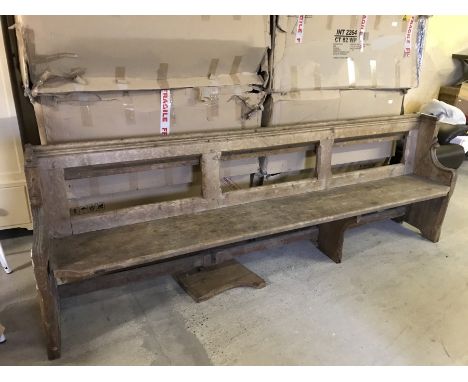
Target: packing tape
{"type": "Point", "coordinates": [129, 108]}
{"type": "Point", "coordinates": [377, 22]}
{"type": "Point", "coordinates": [294, 78]}
{"type": "Point", "coordinates": [206, 18]}
{"type": "Point", "coordinates": [120, 75]}
{"type": "Point", "coordinates": [351, 72]}
{"type": "Point", "coordinates": [373, 72]}
{"type": "Point", "coordinates": [353, 22]}
{"type": "Point", "coordinates": [397, 74]}
{"type": "Point", "coordinates": [213, 67]}
{"type": "Point", "coordinates": [162, 75]}
{"type": "Point", "coordinates": [212, 108]}
{"type": "Point", "coordinates": [317, 76]}
{"type": "Point", "coordinates": [235, 69]}
{"type": "Point", "coordinates": [329, 22]}
{"type": "Point", "coordinates": [403, 24]}
{"type": "Point", "coordinates": [237, 17]}
{"type": "Point", "coordinates": [85, 112]}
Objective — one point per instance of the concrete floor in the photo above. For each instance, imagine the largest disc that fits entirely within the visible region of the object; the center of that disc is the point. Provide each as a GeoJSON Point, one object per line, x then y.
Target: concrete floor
{"type": "Point", "coordinates": [396, 299]}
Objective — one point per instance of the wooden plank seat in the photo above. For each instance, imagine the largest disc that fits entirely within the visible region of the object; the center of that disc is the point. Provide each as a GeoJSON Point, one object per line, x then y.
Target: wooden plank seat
{"type": "Point", "coordinates": [109, 250]}
{"type": "Point", "coordinates": [69, 248]}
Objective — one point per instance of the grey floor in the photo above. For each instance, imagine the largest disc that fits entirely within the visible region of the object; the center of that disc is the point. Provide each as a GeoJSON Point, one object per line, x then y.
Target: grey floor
{"type": "Point", "coordinates": [396, 299]}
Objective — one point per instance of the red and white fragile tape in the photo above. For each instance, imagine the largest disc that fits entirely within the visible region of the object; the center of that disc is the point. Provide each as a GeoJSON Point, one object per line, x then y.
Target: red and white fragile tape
{"type": "Point", "coordinates": [300, 29]}
{"type": "Point", "coordinates": [408, 36]}
{"type": "Point", "coordinates": [362, 31]}
{"type": "Point", "coordinates": [165, 123]}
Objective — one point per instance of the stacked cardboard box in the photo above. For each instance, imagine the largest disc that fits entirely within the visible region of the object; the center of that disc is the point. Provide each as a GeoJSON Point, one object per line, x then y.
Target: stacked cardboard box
{"type": "Point", "coordinates": [111, 77]}
{"type": "Point", "coordinates": [102, 77]}
{"type": "Point", "coordinates": [340, 67]}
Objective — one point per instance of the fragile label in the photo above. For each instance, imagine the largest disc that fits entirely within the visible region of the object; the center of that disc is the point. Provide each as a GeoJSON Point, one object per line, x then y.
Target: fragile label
{"type": "Point", "coordinates": [409, 33]}
{"type": "Point", "coordinates": [362, 31]}
{"type": "Point", "coordinates": [300, 29]}
{"type": "Point", "coordinates": [165, 123]}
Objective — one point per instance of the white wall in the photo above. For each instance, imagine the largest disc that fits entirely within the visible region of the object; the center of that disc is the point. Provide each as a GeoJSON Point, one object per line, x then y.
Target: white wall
{"type": "Point", "coordinates": [14, 207]}
{"type": "Point", "coordinates": [445, 35]}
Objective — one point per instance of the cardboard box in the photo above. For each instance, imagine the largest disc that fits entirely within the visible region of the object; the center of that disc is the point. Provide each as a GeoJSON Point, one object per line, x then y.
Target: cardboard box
{"type": "Point", "coordinates": [329, 105]}
{"type": "Point", "coordinates": [104, 53]}
{"type": "Point", "coordinates": [456, 96]}
{"type": "Point", "coordinates": [109, 115]}
{"type": "Point", "coordinates": [337, 52]}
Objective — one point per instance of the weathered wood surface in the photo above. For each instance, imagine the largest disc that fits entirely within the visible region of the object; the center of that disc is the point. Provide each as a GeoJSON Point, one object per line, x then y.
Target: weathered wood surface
{"type": "Point", "coordinates": [206, 282]}
{"type": "Point", "coordinates": [185, 263]}
{"type": "Point", "coordinates": [331, 237]}
{"type": "Point", "coordinates": [71, 159]}
{"type": "Point", "coordinates": [428, 216]}
{"type": "Point", "coordinates": [109, 250]}
{"type": "Point", "coordinates": [219, 254]}
{"type": "Point", "coordinates": [201, 230]}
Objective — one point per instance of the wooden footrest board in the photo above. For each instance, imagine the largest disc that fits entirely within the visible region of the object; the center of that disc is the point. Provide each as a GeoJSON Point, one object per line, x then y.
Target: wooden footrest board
{"type": "Point", "coordinates": [206, 282]}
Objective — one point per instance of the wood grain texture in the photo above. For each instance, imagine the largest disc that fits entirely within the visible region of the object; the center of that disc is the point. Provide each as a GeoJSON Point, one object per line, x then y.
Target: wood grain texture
{"type": "Point", "coordinates": [206, 282]}
{"type": "Point", "coordinates": [166, 238]}
{"type": "Point", "coordinates": [46, 285]}
{"type": "Point", "coordinates": [200, 231]}
{"type": "Point", "coordinates": [428, 216]}
{"type": "Point", "coordinates": [331, 237]}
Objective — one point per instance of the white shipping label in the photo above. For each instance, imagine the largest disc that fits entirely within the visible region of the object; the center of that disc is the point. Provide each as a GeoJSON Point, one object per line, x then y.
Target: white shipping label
{"type": "Point", "coordinates": [165, 123]}
{"type": "Point", "coordinates": [409, 33]}
{"type": "Point", "coordinates": [300, 29]}
{"type": "Point", "coordinates": [362, 31]}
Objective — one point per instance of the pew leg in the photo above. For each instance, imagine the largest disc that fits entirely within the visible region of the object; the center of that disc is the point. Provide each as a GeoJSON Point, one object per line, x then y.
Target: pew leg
{"type": "Point", "coordinates": [50, 310]}
{"type": "Point", "coordinates": [331, 237]}
{"type": "Point", "coordinates": [428, 217]}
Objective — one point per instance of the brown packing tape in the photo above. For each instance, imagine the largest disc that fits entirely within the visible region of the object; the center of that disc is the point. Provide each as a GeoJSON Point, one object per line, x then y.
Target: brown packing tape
{"type": "Point", "coordinates": [377, 20]}
{"type": "Point", "coordinates": [404, 24]}
{"type": "Point", "coordinates": [85, 112]}
{"type": "Point", "coordinates": [353, 22]}
{"type": "Point", "coordinates": [38, 111]}
{"type": "Point", "coordinates": [162, 75]}
{"type": "Point", "coordinates": [329, 22]}
{"type": "Point", "coordinates": [235, 68]}
{"type": "Point", "coordinates": [237, 17]}
{"type": "Point", "coordinates": [129, 108]}
{"type": "Point", "coordinates": [213, 110]}
{"type": "Point", "coordinates": [213, 68]}
{"type": "Point", "coordinates": [397, 74]}
{"type": "Point", "coordinates": [294, 78]}
{"type": "Point", "coordinates": [173, 111]}
{"type": "Point", "coordinates": [205, 17]}
{"type": "Point", "coordinates": [120, 75]}
{"type": "Point", "coordinates": [373, 72]}
{"type": "Point", "coordinates": [317, 77]}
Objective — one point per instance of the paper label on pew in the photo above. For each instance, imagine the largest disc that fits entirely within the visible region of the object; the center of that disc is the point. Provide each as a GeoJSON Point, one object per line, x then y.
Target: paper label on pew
{"type": "Point", "coordinates": [165, 123]}
{"type": "Point", "coordinates": [408, 35]}
{"type": "Point", "coordinates": [300, 29]}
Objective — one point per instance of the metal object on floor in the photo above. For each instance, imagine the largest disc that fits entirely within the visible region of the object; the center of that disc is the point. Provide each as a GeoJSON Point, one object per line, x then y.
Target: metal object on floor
{"type": "Point", "coordinates": [4, 262]}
